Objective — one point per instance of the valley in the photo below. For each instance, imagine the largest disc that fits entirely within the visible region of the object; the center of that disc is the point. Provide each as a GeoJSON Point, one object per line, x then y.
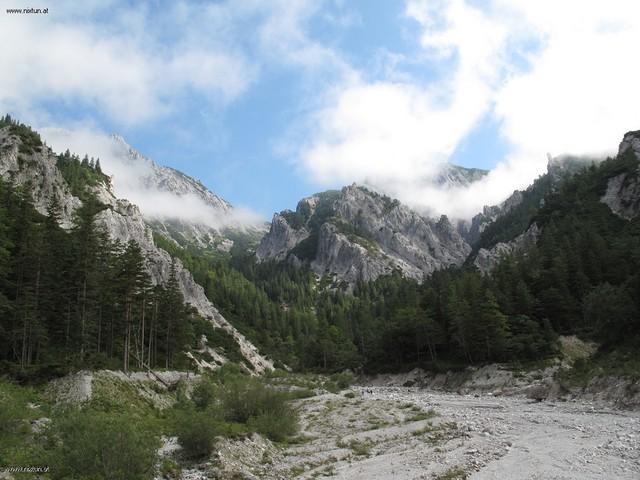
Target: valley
{"type": "Point", "coordinates": [228, 353]}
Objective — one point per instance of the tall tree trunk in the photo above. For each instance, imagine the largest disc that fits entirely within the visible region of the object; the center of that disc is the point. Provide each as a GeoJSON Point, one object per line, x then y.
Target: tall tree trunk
{"type": "Point", "coordinates": [141, 361]}
{"type": "Point", "coordinates": [83, 316]}
{"type": "Point", "coordinates": [99, 326]}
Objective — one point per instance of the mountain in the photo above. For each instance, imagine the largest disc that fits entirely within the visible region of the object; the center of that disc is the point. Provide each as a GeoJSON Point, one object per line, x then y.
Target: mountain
{"type": "Point", "coordinates": [26, 162]}
{"type": "Point", "coordinates": [178, 206]}
{"type": "Point", "coordinates": [456, 176]}
{"type": "Point", "coordinates": [509, 227]}
{"type": "Point", "coordinates": [622, 195]}
{"type": "Point", "coordinates": [356, 234]}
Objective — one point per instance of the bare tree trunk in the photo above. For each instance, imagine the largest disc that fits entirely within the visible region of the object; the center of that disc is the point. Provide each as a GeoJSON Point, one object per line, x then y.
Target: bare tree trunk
{"type": "Point", "coordinates": [141, 360]}
{"type": "Point", "coordinates": [83, 317]}
{"type": "Point", "coordinates": [99, 327]}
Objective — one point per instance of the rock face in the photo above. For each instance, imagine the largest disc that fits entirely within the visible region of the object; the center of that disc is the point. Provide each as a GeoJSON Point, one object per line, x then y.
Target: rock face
{"type": "Point", "coordinates": [623, 191]}
{"type": "Point", "coordinates": [631, 140]}
{"type": "Point", "coordinates": [487, 259]}
{"type": "Point", "coordinates": [121, 220]}
{"type": "Point", "coordinates": [488, 215]}
{"type": "Point", "coordinates": [456, 176]}
{"type": "Point", "coordinates": [357, 235]}
{"type": "Point", "coordinates": [216, 221]}
{"type": "Point", "coordinates": [37, 170]}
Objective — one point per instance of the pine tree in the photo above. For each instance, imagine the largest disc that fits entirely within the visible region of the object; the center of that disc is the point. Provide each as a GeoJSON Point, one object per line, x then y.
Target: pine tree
{"type": "Point", "coordinates": [493, 328]}
{"type": "Point", "coordinates": [133, 281]}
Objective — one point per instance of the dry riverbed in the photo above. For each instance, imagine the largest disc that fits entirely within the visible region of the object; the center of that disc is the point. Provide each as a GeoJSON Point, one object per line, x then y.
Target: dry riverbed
{"type": "Point", "coordinates": [409, 433]}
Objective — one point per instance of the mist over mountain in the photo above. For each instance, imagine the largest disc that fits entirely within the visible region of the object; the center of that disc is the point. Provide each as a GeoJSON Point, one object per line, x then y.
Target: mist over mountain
{"type": "Point", "coordinates": [171, 201]}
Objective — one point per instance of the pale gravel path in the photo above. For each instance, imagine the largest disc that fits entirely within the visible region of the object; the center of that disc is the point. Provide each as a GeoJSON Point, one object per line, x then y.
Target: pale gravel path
{"type": "Point", "coordinates": [493, 438]}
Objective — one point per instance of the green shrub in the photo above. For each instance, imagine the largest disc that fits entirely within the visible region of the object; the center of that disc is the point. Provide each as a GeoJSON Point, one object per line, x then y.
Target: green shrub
{"type": "Point", "coordinates": [196, 432]}
{"type": "Point", "coordinates": [204, 394]}
{"type": "Point", "coordinates": [97, 445]}
{"type": "Point", "coordinates": [342, 380]}
{"type": "Point", "coordinates": [275, 426]}
{"type": "Point", "coordinates": [265, 410]}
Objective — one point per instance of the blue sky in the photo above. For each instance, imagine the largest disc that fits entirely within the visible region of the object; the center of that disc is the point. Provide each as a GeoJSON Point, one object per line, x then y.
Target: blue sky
{"type": "Point", "coordinates": [267, 102]}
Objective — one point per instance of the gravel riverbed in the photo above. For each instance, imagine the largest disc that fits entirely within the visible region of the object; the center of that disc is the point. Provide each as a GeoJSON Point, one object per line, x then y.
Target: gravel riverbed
{"type": "Point", "coordinates": [407, 433]}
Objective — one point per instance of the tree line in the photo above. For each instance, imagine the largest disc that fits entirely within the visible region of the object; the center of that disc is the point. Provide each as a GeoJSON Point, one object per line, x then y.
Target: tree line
{"type": "Point", "coordinates": [78, 298]}
{"type": "Point", "coordinates": [581, 278]}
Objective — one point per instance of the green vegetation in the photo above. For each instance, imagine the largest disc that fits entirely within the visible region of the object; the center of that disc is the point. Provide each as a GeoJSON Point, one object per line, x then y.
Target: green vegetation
{"type": "Point", "coordinates": [81, 174]}
{"type": "Point", "coordinates": [231, 404]}
{"type": "Point", "coordinates": [30, 141]}
{"type": "Point", "coordinates": [520, 217]}
{"type": "Point", "coordinates": [454, 473]}
{"type": "Point", "coordinates": [103, 446]}
{"type": "Point", "coordinates": [622, 361]}
{"type": "Point", "coordinates": [79, 299]}
{"type": "Point", "coordinates": [581, 278]}
{"type": "Point", "coordinates": [116, 434]}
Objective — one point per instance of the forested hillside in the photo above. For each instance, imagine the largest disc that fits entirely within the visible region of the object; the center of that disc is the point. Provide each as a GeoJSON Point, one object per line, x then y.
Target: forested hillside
{"type": "Point", "coordinates": [581, 278]}
{"type": "Point", "coordinates": [77, 298]}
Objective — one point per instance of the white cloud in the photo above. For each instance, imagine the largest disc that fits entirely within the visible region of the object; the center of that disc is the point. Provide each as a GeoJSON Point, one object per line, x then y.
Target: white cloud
{"type": "Point", "coordinates": [557, 77]}
{"type": "Point", "coordinates": [114, 66]}
{"type": "Point", "coordinates": [132, 179]}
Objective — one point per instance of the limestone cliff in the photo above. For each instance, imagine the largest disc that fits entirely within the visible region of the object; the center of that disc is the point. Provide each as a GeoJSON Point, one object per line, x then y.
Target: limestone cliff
{"type": "Point", "coordinates": [623, 191]}
{"type": "Point", "coordinates": [357, 235]}
{"type": "Point", "coordinates": [122, 220]}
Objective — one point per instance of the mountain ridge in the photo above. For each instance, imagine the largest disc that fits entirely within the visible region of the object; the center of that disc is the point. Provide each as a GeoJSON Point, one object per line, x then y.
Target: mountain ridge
{"type": "Point", "coordinates": [121, 219]}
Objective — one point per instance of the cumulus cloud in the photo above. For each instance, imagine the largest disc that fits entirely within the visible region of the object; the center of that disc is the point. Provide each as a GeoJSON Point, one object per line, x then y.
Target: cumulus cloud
{"type": "Point", "coordinates": [134, 177]}
{"type": "Point", "coordinates": [124, 60]}
{"type": "Point", "coordinates": [557, 77]}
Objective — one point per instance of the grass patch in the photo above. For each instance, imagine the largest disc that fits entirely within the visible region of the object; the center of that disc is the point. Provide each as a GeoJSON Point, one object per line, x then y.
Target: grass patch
{"type": "Point", "coordinates": [422, 415]}
{"type": "Point", "coordinates": [454, 473]}
{"type": "Point", "coordinates": [360, 448]}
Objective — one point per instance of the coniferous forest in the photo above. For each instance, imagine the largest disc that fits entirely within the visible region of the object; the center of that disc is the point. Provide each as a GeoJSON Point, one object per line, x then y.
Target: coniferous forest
{"type": "Point", "coordinates": [76, 298]}
{"type": "Point", "coordinates": [72, 298]}
{"type": "Point", "coordinates": [582, 277]}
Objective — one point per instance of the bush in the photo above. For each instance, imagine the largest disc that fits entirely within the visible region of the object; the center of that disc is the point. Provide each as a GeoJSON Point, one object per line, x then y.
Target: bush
{"type": "Point", "coordinates": [98, 445]}
{"type": "Point", "coordinates": [196, 432]}
{"type": "Point", "coordinates": [247, 400]}
{"type": "Point", "coordinates": [204, 394]}
{"type": "Point", "coordinates": [274, 426]}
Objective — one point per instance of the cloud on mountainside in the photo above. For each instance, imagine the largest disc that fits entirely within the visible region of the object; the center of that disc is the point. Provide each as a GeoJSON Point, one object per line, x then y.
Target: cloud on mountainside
{"type": "Point", "coordinates": [130, 181]}
{"type": "Point", "coordinates": [557, 77]}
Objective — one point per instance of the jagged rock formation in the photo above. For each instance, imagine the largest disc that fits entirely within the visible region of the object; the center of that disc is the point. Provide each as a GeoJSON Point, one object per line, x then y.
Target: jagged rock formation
{"type": "Point", "coordinates": [357, 235]}
{"type": "Point", "coordinates": [623, 191]}
{"type": "Point", "coordinates": [455, 176]}
{"type": "Point", "coordinates": [631, 140]}
{"type": "Point", "coordinates": [121, 220]}
{"type": "Point", "coordinates": [489, 215]}
{"type": "Point", "coordinates": [506, 228]}
{"type": "Point", "coordinates": [487, 259]}
{"type": "Point", "coordinates": [217, 220]}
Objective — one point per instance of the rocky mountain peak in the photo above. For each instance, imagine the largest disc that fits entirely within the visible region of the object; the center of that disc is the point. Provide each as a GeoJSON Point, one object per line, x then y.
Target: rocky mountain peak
{"type": "Point", "coordinates": [121, 220]}
{"type": "Point", "coordinates": [198, 216]}
{"type": "Point", "coordinates": [451, 175]}
{"type": "Point", "coordinates": [631, 140]}
{"type": "Point", "coordinates": [357, 234]}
